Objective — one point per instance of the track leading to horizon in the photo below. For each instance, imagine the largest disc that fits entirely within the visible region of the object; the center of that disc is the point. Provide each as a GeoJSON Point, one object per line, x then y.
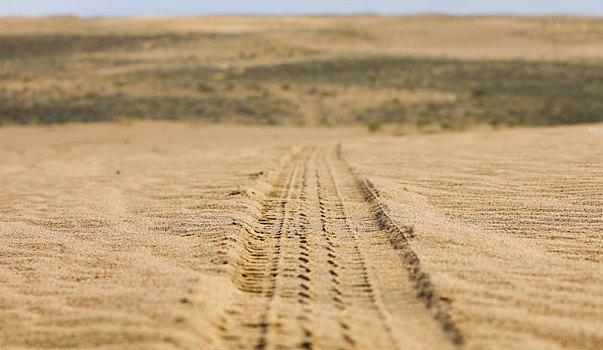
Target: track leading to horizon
{"type": "Point", "coordinates": [324, 267]}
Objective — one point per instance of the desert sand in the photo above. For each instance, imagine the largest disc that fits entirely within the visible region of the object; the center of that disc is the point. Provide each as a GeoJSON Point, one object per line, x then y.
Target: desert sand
{"type": "Point", "coordinates": [175, 236]}
{"type": "Point", "coordinates": [269, 217]}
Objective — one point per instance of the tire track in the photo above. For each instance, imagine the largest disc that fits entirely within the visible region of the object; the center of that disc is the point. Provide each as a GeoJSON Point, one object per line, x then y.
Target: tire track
{"type": "Point", "coordinates": [288, 314]}
{"type": "Point", "coordinates": [246, 320]}
{"type": "Point", "coordinates": [329, 321]}
{"type": "Point", "coordinates": [398, 237]}
{"type": "Point", "coordinates": [357, 289]}
{"type": "Point", "coordinates": [321, 269]}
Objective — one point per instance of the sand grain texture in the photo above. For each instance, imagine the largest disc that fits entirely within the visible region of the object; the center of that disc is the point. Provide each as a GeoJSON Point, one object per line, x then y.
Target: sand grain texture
{"type": "Point", "coordinates": [161, 235]}
{"type": "Point", "coordinates": [509, 224]}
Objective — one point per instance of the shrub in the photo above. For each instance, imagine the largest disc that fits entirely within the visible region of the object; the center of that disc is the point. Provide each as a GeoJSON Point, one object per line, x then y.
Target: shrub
{"type": "Point", "coordinates": [374, 126]}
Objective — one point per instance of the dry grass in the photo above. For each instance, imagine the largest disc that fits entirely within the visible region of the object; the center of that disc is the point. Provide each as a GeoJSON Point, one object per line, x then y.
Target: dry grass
{"type": "Point", "coordinates": [247, 69]}
{"type": "Point", "coordinates": [477, 37]}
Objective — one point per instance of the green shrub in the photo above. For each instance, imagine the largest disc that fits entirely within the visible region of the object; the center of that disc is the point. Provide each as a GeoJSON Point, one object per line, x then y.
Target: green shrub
{"type": "Point", "coordinates": [374, 126]}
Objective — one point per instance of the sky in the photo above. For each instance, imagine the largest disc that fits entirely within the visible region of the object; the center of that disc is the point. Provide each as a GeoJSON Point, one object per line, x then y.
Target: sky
{"type": "Point", "coordinates": [274, 7]}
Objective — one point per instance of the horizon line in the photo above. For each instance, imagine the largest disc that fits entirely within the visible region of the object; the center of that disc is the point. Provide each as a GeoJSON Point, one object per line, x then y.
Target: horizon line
{"type": "Point", "coordinates": [312, 14]}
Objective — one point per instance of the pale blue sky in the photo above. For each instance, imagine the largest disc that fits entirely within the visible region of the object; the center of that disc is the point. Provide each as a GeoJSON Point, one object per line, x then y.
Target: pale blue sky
{"type": "Point", "coordinates": [201, 7]}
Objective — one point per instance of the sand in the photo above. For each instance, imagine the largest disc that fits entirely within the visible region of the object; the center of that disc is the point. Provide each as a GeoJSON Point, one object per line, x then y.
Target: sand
{"type": "Point", "coordinates": [175, 236]}
{"type": "Point", "coordinates": [509, 225]}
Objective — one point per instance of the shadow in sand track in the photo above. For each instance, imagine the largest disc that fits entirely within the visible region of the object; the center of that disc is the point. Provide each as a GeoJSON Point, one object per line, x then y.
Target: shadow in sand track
{"type": "Point", "coordinates": [322, 259]}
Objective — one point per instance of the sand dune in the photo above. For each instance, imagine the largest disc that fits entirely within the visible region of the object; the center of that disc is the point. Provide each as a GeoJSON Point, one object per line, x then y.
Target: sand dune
{"type": "Point", "coordinates": [161, 235]}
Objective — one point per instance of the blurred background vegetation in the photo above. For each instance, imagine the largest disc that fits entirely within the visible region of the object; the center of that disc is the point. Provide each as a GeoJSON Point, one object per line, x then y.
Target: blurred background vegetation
{"type": "Point", "coordinates": [424, 73]}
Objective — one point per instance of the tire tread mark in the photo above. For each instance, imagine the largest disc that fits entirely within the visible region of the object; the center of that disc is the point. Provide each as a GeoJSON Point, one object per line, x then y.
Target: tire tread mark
{"type": "Point", "coordinates": [300, 263]}
{"type": "Point", "coordinates": [332, 256]}
{"type": "Point", "coordinates": [257, 270]}
{"type": "Point", "coordinates": [366, 286]}
{"type": "Point", "coordinates": [398, 237]}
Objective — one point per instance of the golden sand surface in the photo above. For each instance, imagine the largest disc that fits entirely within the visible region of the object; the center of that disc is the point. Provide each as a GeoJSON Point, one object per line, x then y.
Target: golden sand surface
{"type": "Point", "coordinates": [162, 235]}
{"type": "Point", "coordinates": [509, 225]}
